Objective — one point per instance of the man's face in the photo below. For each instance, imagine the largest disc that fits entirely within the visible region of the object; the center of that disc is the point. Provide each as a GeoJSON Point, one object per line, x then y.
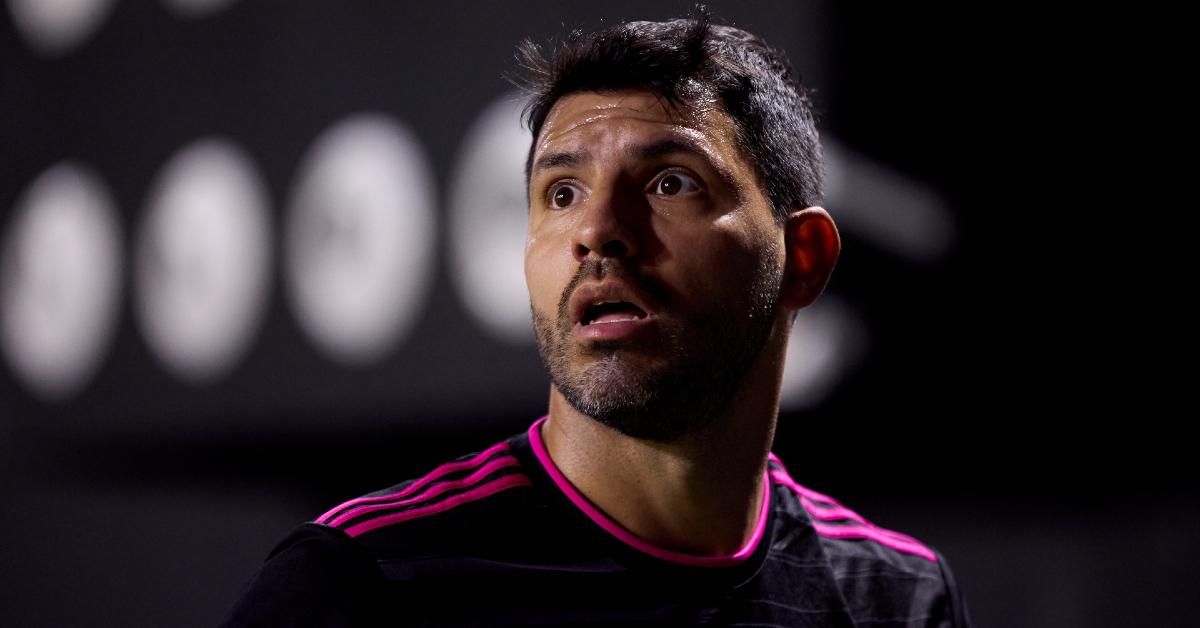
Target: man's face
{"type": "Point", "coordinates": [653, 261]}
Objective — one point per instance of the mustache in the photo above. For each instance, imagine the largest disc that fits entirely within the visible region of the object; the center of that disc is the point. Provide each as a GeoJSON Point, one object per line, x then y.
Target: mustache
{"type": "Point", "coordinates": [611, 267]}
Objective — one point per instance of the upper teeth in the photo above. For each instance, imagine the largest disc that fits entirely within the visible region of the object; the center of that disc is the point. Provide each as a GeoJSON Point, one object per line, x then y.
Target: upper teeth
{"type": "Point", "coordinates": [618, 320]}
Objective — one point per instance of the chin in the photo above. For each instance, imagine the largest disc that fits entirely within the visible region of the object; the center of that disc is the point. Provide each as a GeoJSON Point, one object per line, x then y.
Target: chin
{"type": "Point", "coordinates": [647, 404]}
{"type": "Point", "coordinates": [658, 391]}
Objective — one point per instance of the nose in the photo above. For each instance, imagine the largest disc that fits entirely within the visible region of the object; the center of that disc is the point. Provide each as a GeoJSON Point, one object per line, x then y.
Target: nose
{"type": "Point", "coordinates": [605, 229]}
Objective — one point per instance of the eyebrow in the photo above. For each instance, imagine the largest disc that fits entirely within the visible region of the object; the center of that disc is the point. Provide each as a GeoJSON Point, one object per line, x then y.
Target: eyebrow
{"type": "Point", "coordinates": [560, 160]}
{"type": "Point", "coordinates": [649, 151]}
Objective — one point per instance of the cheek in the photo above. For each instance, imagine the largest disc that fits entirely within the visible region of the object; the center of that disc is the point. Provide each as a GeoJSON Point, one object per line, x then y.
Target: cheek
{"type": "Point", "coordinates": [530, 251]}
{"type": "Point", "coordinates": [722, 261]}
{"type": "Point", "coordinates": [706, 257]}
{"type": "Point", "coordinates": [541, 274]}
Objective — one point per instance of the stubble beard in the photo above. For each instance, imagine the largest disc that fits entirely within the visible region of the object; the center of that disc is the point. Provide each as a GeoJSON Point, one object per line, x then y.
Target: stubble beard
{"type": "Point", "coordinates": [676, 387]}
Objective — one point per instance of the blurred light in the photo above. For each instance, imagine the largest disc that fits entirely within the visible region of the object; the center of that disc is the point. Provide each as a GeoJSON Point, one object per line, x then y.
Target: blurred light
{"type": "Point", "coordinates": [899, 214]}
{"type": "Point", "coordinates": [826, 340]}
{"type": "Point", "coordinates": [61, 281]}
{"type": "Point", "coordinates": [203, 259]}
{"type": "Point", "coordinates": [359, 238]}
{"type": "Point", "coordinates": [197, 9]}
{"type": "Point", "coordinates": [54, 27]}
{"type": "Point", "coordinates": [488, 217]}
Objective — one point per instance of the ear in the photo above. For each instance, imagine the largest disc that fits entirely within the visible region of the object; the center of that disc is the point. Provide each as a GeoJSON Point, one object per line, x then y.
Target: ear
{"type": "Point", "coordinates": [813, 246]}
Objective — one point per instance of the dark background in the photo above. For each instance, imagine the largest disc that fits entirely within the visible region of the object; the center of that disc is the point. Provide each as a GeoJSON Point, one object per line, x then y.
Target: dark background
{"type": "Point", "coordinates": [1002, 410]}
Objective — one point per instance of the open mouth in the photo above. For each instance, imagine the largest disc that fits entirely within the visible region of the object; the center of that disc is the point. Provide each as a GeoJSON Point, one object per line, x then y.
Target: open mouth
{"type": "Point", "coordinates": [603, 312]}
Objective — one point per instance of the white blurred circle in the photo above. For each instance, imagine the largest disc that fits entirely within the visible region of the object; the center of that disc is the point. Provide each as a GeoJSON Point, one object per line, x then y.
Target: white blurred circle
{"type": "Point", "coordinates": [359, 237]}
{"type": "Point", "coordinates": [826, 340]}
{"type": "Point", "coordinates": [488, 218]}
{"type": "Point", "coordinates": [54, 27]}
{"type": "Point", "coordinates": [203, 259]}
{"type": "Point", "coordinates": [197, 9]}
{"type": "Point", "coordinates": [61, 283]}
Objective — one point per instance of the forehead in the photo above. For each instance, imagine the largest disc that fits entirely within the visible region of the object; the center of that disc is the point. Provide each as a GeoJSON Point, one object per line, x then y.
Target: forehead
{"type": "Point", "coordinates": [598, 120]}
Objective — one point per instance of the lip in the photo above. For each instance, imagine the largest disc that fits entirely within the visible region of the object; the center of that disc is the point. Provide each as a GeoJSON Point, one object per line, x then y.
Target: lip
{"type": "Point", "coordinates": [620, 330]}
{"type": "Point", "coordinates": [611, 290]}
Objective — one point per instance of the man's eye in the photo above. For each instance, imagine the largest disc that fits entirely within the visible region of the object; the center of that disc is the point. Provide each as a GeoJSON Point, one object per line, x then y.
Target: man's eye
{"type": "Point", "coordinates": [563, 195]}
{"type": "Point", "coordinates": [676, 183]}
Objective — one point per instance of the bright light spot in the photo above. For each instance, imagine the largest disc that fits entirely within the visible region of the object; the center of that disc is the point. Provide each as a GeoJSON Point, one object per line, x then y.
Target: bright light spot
{"type": "Point", "coordinates": [827, 338]}
{"type": "Point", "coordinates": [55, 27]}
{"type": "Point", "coordinates": [899, 214]}
{"type": "Point", "coordinates": [61, 271]}
{"type": "Point", "coordinates": [203, 259]}
{"type": "Point", "coordinates": [359, 238]}
{"type": "Point", "coordinates": [197, 9]}
{"type": "Point", "coordinates": [488, 214]}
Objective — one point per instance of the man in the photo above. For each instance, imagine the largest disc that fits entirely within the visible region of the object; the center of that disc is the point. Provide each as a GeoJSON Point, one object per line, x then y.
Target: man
{"type": "Point", "coordinates": [674, 230]}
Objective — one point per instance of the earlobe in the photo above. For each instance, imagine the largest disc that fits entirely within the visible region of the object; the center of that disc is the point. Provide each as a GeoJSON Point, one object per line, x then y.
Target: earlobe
{"type": "Point", "coordinates": [813, 245]}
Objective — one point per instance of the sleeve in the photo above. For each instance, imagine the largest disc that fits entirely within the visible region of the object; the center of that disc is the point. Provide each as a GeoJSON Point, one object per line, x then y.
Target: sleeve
{"type": "Point", "coordinates": [952, 609]}
{"type": "Point", "coordinates": [318, 576]}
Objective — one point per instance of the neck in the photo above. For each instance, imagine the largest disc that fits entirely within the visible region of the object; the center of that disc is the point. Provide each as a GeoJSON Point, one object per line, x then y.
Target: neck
{"type": "Point", "coordinates": [701, 494]}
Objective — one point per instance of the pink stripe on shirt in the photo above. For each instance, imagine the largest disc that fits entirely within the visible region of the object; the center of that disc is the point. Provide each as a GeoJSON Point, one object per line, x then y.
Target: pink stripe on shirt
{"type": "Point", "coordinates": [449, 467]}
{"type": "Point", "coordinates": [477, 493]}
{"type": "Point", "coordinates": [434, 490]}
{"type": "Point", "coordinates": [854, 531]}
{"type": "Point", "coordinates": [834, 513]}
{"type": "Point", "coordinates": [866, 529]}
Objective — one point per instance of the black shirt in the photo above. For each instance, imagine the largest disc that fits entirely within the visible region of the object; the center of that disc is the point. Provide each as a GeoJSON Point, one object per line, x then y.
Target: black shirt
{"type": "Point", "coordinates": [500, 538]}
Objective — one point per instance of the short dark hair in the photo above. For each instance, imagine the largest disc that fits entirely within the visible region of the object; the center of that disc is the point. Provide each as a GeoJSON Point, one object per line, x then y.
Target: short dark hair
{"type": "Point", "coordinates": [682, 60]}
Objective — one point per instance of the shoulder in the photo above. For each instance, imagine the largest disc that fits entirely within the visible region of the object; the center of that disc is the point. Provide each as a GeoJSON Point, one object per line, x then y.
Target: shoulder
{"type": "Point", "coordinates": [882, 574]}
{"type": "Point", "coordinates": [336, 569]}
{"type": "Point", "coordinates": [315, 576]}
{"type": "Point", "coordinates": [441, 507]}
